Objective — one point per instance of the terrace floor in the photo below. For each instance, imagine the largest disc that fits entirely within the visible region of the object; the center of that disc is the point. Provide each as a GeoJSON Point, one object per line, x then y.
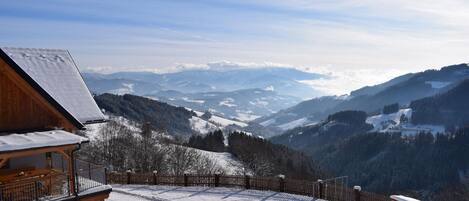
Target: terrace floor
{"type": "Point", "coordinates": [196, 193]}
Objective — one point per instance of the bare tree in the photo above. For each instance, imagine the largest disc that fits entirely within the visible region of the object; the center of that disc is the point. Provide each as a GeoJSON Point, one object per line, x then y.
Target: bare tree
{"type": "Point", "coordinates": [181, 159]}
{"type": "Point", "coordinates": [207, 165]}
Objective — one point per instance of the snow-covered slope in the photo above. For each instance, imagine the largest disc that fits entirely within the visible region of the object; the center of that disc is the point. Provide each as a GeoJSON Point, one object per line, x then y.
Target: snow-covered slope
{"type": "Point", "coordinates": [400, 122]}
{"type": "Point", "coordinates": [225, 160]}
{"type": "Point", "coordinates": [214, 122]}
{"type": "Point", "coordinates": [202, 126]}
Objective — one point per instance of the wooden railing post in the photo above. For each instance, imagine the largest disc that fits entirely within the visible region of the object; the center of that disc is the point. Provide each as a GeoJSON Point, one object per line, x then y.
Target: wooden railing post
{"type": "Point", "coordinates": [186, 180]}
{"type": "Point", "coordinates": [321, 189]}
{"type": "Point", "coordinates": [217, 180]}
{"type": "Point", "coordinates": [247, 182]}
{"type": "Point", "coordinates": [281, 180]}
{"type": "Point", "coordinates": [36, 190]}
{"type": "Point", "coordinates": [129, 172]}
{"type": "Point", "coordinates": [356, 192]}
{"type": "Point", "coordinates": [155, 177]}
{"type": "Point", "coordinates": [105, 176]}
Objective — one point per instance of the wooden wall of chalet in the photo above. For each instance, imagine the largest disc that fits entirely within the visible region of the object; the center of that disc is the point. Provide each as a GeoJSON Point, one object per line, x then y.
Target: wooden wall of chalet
{"type": "Point", "coordinates": [22, 108]}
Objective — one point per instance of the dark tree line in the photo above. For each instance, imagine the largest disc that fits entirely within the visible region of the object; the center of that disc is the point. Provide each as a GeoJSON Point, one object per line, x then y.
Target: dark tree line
{"type": "Point", "coordinates": [393, 163]}
{"type": "Point", "coordinates": [450, 109]}
{"type": "Point", "coordinates": [348, 116]}
{"type": "Point", "coordinates": [392, 108]}
{"type": "Point", "coordinates": [267, 159]}
{"type": "Point", "coordinates": [258, 156]}
{"type": "Point", "coordinates": [161, 116]}
{"type": "Point", "coordinates": [213, 141]}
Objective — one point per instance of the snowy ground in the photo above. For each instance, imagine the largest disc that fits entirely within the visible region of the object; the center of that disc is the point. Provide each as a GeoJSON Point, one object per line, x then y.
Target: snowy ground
{"type": "Point", "coordinates": [392, 123]}
{"type": "Point", "coordinates": [144, 192]}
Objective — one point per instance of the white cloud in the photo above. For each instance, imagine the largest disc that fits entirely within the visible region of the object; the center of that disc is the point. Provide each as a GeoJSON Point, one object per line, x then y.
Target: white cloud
{"type": "Point", "coordinates": [356, 41]}
{"type": "Point", "coordinates": [343, 82]}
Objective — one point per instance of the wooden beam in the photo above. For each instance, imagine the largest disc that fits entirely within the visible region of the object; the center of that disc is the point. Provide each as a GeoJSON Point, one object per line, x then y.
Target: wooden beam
{"type": "Point", "coordinates": [3, 161]}
{"type": "Point", "coordinates": [64, 154]}
{"type": "Point", "coordinates": [71, 172]}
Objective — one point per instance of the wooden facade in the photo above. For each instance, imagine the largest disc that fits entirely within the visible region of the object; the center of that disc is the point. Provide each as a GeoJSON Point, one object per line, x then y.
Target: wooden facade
{"type": "Point", "coordinates": [23, 108]}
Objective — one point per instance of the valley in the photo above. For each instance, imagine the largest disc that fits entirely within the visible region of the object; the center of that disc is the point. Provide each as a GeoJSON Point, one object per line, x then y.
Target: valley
{"type": "Point", "coordinates": [406, 111]}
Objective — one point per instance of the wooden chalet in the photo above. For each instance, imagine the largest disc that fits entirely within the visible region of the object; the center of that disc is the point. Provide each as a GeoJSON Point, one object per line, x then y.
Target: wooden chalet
{"type": "Point", "coordinates": [43, 102]}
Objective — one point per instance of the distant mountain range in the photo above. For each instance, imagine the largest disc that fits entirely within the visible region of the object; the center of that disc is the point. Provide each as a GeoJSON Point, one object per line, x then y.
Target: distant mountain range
{"type": "Point", "coordinates": [371, 99]}
{"type": "Point", "coordinates": [418, 149]}
{"type": "Point", "coordinates": [244, 94]}
{"type": "Point", "coordinates": [285, 81]}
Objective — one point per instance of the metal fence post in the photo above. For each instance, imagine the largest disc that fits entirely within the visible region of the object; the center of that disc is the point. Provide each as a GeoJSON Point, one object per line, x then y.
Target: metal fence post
{"type": "Point", "coordinates": [77, 183]}
{"type": "Point", "coordinates": [247, 182]}
{"type": "Point", "coordinates": [217, 180]}
{"type": "Point", "coordinates": [356, 192]}
{"type": "Point", "coordinates": [321, 189]}
{"type": "Point", "coordinates": [186, 180]}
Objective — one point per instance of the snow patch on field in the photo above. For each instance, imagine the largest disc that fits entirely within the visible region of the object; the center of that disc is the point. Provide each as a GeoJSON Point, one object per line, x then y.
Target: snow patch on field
{"type": "Point", "coordinates": [293, 124]}
{"type": "Point", "coordinates": [228, 102]}
{"type": "Point", "coordinates": [196, 193]}
{"type": "Point", "coordinates": [193, 101]}
{"type": "Point", "coordinates": [127, 88]}
{"type": "Point", "coordinates": [400, 122]}
{"type": "Point", "coordinates": [92, 130]}
{"type": "Point", "coordinates": [213, 123]}
{"type": "Point", "coordinates": [202, 126]}
{"type": "Point", "coordinates": [226, 122]}
{"type": "Point", "coordinates": [225, 160]}
{"type": "Point", "coordinates": [259, 102]}
{"type": "Point", "coordinates": [269, 88]}
{"type": "Point", "coordinates": [246, 116]}
{"type": "Point", "coordinates": [268, 122]}
{"type": "Point", "coordinates": [437, 84]}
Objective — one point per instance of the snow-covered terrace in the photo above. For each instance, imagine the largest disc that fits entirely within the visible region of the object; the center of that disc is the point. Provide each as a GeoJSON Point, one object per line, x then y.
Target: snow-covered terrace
{"type": "Point", "coordinates": [145, 192]}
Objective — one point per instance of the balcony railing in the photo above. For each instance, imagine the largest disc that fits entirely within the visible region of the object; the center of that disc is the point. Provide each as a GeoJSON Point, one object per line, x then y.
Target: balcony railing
{"type": "Point", "coordinates": [89, 175]}
{"type": "Point", "coordinates": [50, 187]}
{"type": "Point", "coordinates": [55, 185]}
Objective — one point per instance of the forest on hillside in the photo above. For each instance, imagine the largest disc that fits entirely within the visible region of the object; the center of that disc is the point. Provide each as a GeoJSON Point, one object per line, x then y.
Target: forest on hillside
{"type": "Point", "coordinates": [120, 148]}
{"type": "Point", "coordinates": [161, 116]}
{"type": "Point", "coordinates": [423, 164]}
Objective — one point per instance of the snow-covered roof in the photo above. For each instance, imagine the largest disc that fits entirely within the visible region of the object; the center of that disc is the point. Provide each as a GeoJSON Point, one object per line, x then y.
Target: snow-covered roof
{"type": "Point", "coordinates": [15, 142]}
{"type": "Point", "coordinates": [402, 198]}
{"type": "Point", "coordinates": [55, 72]}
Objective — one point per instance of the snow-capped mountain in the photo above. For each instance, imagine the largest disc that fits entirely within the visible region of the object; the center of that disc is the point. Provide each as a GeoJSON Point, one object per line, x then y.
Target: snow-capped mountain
{"type": "Point", "coordinates": [285, 81]}
{"type": "Point", "coordinates": [304, 113]}
{"type": "Point", "coordinates": [244, 94]}
{"type": "Point", "coordinates": [244, 105]}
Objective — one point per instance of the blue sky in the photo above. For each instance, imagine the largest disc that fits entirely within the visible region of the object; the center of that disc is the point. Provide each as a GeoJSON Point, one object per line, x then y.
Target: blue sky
{"type": "Point", "coordinates": [358, 42]}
